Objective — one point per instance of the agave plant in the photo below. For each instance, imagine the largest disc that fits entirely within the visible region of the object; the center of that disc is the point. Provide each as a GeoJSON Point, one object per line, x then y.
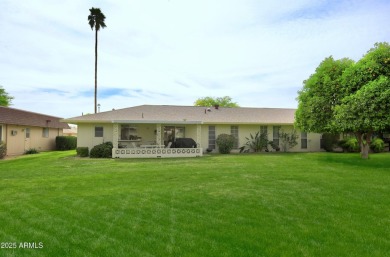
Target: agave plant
{"type": "Point", "coordinates": [257, 142]}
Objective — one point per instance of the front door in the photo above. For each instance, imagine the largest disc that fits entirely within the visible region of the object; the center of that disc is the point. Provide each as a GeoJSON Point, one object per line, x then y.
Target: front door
{"type": "Point", "coordinates": [27, 139]}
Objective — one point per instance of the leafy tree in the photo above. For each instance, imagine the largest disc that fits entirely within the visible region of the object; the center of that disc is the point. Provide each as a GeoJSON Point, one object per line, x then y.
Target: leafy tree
{"type": "Point", "coordinates": [367, 85]}
{"type": "Point", "coordinates": [356, 99]}
{"type": "Point", "coordinates": [321, 92]}
{"type": "Point", "coordinates": [365, 112]}
{"type": "Point", "coordinates": [225, 101]}
{"type": "Point", "coordinates": [96, 21]}
{"type": "Point", "coordinates": [5, 98]}
{"type": "Point", "coordinates": [288, 140]}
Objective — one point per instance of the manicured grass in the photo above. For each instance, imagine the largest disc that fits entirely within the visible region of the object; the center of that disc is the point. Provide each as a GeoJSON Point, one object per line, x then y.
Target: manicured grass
{"type": "Point", "coordinates": [316, 204]}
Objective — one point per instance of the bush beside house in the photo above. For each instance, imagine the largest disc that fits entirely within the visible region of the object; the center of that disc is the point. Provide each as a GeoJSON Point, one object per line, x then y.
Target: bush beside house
{"type": "Point", "coordinates": [225, 143]}
{"type": "Point", "coordinates": [3, 150]}
{"type": "Point", "coordinates": [102, 151]}
{"type": "Point", "coordinates": [64, 143]}
{"type": "Point", "coordinates": [377, 145]}
{"type": "Point", "coordinates": [349, 144]}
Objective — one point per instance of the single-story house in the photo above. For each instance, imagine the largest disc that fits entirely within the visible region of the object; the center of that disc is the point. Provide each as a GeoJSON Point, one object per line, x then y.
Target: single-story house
{"type": "Point", "coordinates": [22, 130]}
{"type": "Point", "coordinates": [149, 130]}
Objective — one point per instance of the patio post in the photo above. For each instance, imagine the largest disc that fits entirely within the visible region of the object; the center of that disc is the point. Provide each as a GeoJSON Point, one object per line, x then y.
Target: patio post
{"type": "Point", "coordinates": [199, 135]}
{"type": "Point", "coordinates": [158, 134]}
{"type": "Point", "coordinates": [115, 135]}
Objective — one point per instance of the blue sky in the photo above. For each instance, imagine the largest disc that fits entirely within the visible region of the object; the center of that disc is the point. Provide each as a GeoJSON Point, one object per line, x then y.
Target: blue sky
{"type": "Point", "coordinates": [175, 51]}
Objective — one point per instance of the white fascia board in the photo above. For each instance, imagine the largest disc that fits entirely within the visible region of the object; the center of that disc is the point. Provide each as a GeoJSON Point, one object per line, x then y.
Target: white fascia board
{"type": "Point", "coordinates": [71, 121]}
{"type": "Point", "coordinates": [156, 122]}
{"type": "Point", "coordinates": [246, 123]}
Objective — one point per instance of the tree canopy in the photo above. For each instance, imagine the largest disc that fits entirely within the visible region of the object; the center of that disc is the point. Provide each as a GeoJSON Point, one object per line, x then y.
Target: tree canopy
{"type": "Point", "coordinates": [5, 98]}
{"type": "Point", "coordinates": [320, 93]}
{"type": "Point", "coordinates": [207, 101]}
{"type": "Point", "coordinates": [343, 96]}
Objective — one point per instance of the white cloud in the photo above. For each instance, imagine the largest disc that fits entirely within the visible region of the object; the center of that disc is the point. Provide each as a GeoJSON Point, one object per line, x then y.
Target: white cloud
{"type": "Point", "coordinates": [257, 52]}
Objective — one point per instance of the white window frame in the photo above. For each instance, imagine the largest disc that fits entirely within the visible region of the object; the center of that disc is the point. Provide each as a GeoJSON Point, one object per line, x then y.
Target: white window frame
{"type": "Point", "coordinates": [234, 131]}
{"type": "Point", "coordinates": [212, 137]}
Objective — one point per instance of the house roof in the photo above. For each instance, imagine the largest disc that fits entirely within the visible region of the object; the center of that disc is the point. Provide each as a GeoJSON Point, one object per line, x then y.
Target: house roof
{"type": "Point", "coordinates": [25, 118]}
{"type": "Point", "coordinates": [169, 114]}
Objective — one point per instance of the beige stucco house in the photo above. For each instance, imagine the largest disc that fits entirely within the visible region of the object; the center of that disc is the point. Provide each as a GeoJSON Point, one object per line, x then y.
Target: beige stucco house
{"type": "Point", "coordinates": [22, 130]}
{"type": "Point", "coordinates": [146, 130]}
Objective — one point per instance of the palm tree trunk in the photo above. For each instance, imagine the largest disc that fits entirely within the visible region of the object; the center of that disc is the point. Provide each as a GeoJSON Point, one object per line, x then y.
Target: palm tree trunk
{"type": "Point", "coordinates": [96, 55]}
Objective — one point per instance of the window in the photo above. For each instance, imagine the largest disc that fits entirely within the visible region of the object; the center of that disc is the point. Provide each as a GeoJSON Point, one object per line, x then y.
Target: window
{"type": "Point", "coordinates": [98, 131]}
{"type": "Point", "coordinates": [211, 137]}
{"type": "Point", "coordinates": [1, 133]}
{"type": "Point", "coordinates": [303, 140]}
{"type": "Point", "coordinates": [264, 129]}
{"type": "Point", "coordinates": [172, 132]}
{"type": "Point", "coordinates": [45, 132]}
{"type": "Point", "coordinates": [28, 132]}
{"type": "Point", "coordinates": [179, 132]}
{"type": "Point", "coordinates": [276, 135]}
{"type": "Point", "coordinates": [234, 133]}
{"type": "Point", "coordinates": [128, 132]}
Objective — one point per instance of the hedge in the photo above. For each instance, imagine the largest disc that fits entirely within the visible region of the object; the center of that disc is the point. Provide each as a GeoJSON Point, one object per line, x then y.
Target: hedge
{"type": "Point", "coordinates": [66, 143]}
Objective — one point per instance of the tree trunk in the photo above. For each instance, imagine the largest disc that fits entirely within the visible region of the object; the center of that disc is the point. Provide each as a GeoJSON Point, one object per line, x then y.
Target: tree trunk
{"type": "Point", "coordinates": [96, 56]}
{"type": "Point", "coordinates": [364, 151]}
{"type": "Point", "coordinates": [364, 140]}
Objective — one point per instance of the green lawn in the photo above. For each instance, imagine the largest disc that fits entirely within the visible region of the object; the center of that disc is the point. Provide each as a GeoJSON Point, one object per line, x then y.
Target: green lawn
{"type": "Point", "coordinates": [316, 204]}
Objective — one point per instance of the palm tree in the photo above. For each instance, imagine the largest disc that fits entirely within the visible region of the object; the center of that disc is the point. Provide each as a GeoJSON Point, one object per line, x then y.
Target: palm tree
{"type": "Point", "coordinates": [96, 21]}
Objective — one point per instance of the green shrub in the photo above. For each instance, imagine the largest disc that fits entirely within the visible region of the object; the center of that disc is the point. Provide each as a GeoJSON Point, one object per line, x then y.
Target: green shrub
{"type": "Point", "coordinates": [31, 151]}
{"type": "Point", "coordinates": [274, 146]}
{"type": "Point", "coordinates": [377, 145]}
{"type": "Point", "coordinates": [288, 140]}
{"type": "Point", "coordinates": [349, 145]}
{"type": "Point", "coordinates": [3, 150]}
{"type": "Point", "coordinates": [329, 141]}
{"type": "Point", "coordinates": [82, 151]}
{"type": "Point", "coordinates": [102, 151]}
{"type": "Point", "coordinates": [256, 143]}
{"type": "Point", "coordinates": [66, 143]}
{"type": "Point", "coordinates": [225, 143]}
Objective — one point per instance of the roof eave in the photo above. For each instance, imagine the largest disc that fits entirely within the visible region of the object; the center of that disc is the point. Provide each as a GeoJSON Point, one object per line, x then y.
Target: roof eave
{"type": "Point", "coordinates": [157, 122]}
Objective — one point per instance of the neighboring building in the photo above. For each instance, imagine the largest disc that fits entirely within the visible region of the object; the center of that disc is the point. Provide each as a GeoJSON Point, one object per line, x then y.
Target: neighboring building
{"type": "Point", "coordinates": [146, 130]}
{"type": "Point", "coordinates": [72, 131]}
{"type": "Point", "coordinates": [23, 130]}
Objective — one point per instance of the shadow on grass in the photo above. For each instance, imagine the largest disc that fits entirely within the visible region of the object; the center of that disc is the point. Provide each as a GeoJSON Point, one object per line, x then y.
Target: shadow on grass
{"type": "Point", "coordinates": [375, 161]}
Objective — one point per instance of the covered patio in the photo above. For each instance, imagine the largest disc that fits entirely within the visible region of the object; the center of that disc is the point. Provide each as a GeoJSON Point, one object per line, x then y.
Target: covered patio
{"type": "Point", "coordinates": [140, 140]}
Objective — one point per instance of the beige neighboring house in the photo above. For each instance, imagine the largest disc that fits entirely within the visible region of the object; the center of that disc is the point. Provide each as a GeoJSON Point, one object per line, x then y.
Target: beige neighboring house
{"type": "Point", "coordinates": [23, 130]}
{"type": "Point", "coordinates": [71, 131]}
{"type": "Point", "coordinates": [146, 130]}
